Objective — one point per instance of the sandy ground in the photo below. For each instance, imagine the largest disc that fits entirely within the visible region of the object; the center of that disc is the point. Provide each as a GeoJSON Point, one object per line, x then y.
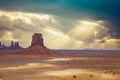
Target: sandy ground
{"type": "Point", "coordinates": [20, 67]}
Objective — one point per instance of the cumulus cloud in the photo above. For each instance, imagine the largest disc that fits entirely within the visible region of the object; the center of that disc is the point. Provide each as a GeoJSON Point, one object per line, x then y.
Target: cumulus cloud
{"type": "Point", "coordinates": [88, 31]}
{"type": "Point", "coordinates": [110, 44]}
{"type": "Point", "coordinates": [20, 26]}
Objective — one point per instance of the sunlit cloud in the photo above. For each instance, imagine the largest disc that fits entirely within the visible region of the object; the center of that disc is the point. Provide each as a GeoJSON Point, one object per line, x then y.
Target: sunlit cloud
{"type": "Point", "coordinates": [89, 23]}
{"type": "Point", "coordinates": [20, 26]}
{"type": "Point", "coordinates": [87, 31]}
{"type": "Point", "coordinates": [25, 24]}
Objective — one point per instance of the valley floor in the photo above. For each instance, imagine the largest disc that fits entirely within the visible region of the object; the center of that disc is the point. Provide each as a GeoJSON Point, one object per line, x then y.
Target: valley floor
{"type": "Point", "coordinates": [21, 67]}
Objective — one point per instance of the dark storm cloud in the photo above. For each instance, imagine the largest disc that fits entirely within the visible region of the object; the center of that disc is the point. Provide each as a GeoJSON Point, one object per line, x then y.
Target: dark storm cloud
{"type": "Point", "coordinates": [106, 10]}
{"type": "Point", "coordinates": [65, 6]}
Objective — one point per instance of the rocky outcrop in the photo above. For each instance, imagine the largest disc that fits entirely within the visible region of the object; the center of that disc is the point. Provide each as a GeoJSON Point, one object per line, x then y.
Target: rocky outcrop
{"type": "Point", "coordinates": [37, 50]}
{"type": "Point", "coordinates": [37, 39]}
{"type": "Point", "coordinates": [2, 46]}
{"type": "Point", "coordinates": [13, 46]}
{"type": "Point", "coordinates": [37, 47]}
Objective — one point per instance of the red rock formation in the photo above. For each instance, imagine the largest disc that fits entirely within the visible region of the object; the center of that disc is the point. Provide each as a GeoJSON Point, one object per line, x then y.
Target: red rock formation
{"type": "Point", "coordinates": [37, 47]}
{"type": "Point", "coordinates": [37, 39]}
{"type": "Point", "coordinates": [38, 50]}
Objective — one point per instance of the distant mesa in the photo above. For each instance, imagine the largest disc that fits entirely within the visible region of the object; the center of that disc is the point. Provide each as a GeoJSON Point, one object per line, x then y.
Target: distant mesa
{"type": "Point", "coordinates": [2, 46]}
{"type": "Point", "coordinates": [37, 47]}
{"type": "Point", "coordinates": [13, 46]}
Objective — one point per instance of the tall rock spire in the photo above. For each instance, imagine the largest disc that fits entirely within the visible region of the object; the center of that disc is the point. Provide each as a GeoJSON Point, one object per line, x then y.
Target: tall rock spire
{"type": "Point", "coordinates": [12, 43]}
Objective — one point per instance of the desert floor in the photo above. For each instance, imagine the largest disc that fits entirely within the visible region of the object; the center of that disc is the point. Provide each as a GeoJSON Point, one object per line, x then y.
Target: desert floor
{"type": "Point", "coordinates": [29, 67]}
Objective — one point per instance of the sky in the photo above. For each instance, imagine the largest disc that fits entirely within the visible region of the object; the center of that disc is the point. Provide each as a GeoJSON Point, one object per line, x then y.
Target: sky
{"type": "Point", "coordinates": [65, 24]}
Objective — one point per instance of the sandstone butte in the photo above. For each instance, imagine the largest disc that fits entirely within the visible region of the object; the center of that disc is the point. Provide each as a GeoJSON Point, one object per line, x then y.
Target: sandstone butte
{"type": "Point", "coordinates": [37, 47]}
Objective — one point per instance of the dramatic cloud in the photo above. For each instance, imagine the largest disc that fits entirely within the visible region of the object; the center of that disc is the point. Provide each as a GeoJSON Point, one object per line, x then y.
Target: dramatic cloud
{"type": "Point", "coordinates": [58, 32]}
{"type": "Point", "coordinates": [106, 10]}
{"type": "Point", "coordinates": [88, 31]}
{"type": "Point", "coordinates": [20, 26]}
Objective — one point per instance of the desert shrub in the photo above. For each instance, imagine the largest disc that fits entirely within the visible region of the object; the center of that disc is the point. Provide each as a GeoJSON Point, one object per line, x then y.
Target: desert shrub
{"type": "Point", "coordinates": [74, 76]}
{"type": "Point", "coordinates": [91, 76]}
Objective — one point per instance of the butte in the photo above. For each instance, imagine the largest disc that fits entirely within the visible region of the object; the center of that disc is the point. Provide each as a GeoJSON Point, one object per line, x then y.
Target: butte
{"type": "Point", "coordinates": [37, 47]}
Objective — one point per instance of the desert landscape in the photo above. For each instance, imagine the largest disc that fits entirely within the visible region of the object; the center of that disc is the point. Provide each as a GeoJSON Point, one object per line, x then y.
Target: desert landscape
{"type": "Point", "coordinates": [32, 67]}
{"type": "Point", "coordinates": [40, 63]}
{"type": "Point", "coordinates": [59, 40]}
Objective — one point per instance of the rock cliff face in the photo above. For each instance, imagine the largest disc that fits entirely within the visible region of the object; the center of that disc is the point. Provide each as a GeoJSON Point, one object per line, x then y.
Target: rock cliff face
{"type": "Point", "coordinates": [37, 39]}
{"type": "Point", "coordinates": [37, 47]}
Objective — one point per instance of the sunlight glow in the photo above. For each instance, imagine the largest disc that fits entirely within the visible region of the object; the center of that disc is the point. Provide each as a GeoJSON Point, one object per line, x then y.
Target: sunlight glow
{"type": "Point", "coordinates": [89, 23]}
{"type": "Point", "coordinates": [64, 72]}
{"type": "Point", "coordinates": [29, 65]}
{"type": "Point", "coordinates": [59, 59]}
{"type": "Point", "coordinates": [95, 33]}
{"type": "Point", "coordinates": [19, 25]}
{"type": "Point", "coordinates": [53, 31]}
{"type": "Point", "coordinates": [8, 36]}
{"type": "Point", "coordinates": [84, 31]}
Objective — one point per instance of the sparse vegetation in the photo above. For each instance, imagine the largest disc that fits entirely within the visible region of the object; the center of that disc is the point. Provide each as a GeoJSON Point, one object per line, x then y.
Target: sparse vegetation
{"type": "Point", "coordinates": [53, 68]}
{"type": "Point", "coordinates": [91, 76]}
{"type": "Point", "coordinates": [74, 76]}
